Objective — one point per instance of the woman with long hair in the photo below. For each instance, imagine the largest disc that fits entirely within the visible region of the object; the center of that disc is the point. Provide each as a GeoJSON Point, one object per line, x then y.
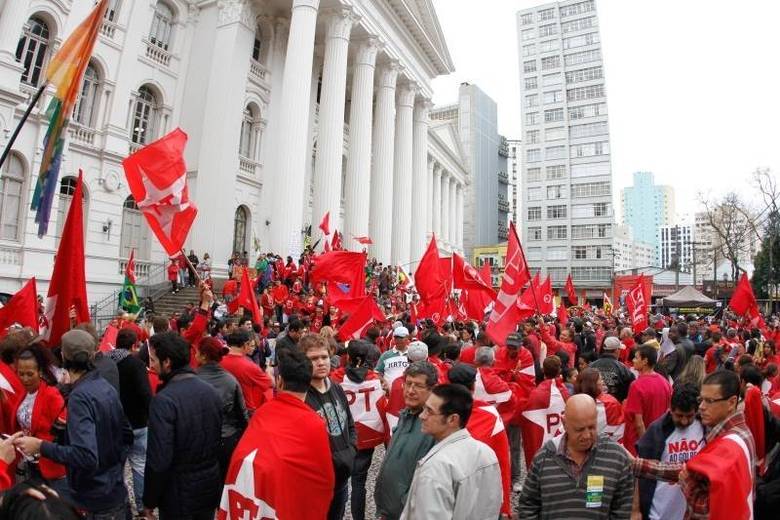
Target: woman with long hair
{"type": "Point", "coordinates": [693, 373]}
{"type": "Point", "coordinates": [610, 413]}
{"type": "Point", "coordinates": [40, 413]}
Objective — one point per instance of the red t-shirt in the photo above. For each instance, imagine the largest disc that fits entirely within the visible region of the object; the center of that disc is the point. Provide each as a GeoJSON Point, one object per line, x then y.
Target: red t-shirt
{"type": "Point", "coordinates": [649, 396]}
{"type": "Point", "coordinates": [230, 288]}
{"type": "Point", "coordinates": [253, 381]}
{"type": "Point", "coordinates": [467, 355]}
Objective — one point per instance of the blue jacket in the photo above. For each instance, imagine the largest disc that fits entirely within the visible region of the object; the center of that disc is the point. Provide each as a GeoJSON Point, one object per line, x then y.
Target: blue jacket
{"type": "Point", "coordinates": [651, 446]}
{"type": "Point", "coordinates": [96, 442]}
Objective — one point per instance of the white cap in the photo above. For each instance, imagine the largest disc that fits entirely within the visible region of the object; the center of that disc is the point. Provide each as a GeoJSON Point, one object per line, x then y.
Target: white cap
{"type": "Point", "coordinates": [401, 332]}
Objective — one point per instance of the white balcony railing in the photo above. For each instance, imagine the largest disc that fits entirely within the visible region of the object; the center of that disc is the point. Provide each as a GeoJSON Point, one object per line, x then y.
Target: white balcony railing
{"type": "Point", "coordinates": [10, 255]}
{"type": "Point", "coordinates": [257, 70]}
{"type": "Point", "coordinates": [157, 54]}
{"type": "Point", "coordinates": [247, 166]}
{"type": "Point", "coordinates": [141, 267]}
{"type": "Point", "coordinates": [82, 134]}
{"type": "Point", "coordinates": [108, 29]}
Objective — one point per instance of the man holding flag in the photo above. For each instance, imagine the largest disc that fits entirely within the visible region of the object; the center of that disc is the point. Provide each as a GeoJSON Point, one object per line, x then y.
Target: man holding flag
{"type": "Point", "coordinates": [128, 298]}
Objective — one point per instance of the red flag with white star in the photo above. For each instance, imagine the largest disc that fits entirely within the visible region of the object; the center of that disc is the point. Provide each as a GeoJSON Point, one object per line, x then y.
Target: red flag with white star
{"type": "Point", "coordinates": [542, 418]}
{"type": "Point", "coordinates": [157, 177]}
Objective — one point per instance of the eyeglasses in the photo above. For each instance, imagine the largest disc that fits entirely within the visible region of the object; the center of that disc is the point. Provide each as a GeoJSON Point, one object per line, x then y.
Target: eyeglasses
{"type": "Point", "coordinates": [416, 386]}
{"type": "Point", "coordinates": [710, 401]}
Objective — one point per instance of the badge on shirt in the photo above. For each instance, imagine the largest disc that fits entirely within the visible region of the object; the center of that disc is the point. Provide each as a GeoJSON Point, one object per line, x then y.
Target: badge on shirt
{"type": "Point", "coordinates": [594, 491]}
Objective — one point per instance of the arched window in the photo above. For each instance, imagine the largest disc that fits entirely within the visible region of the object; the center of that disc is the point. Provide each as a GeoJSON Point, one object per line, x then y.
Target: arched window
{"type": "Point", "coordinates": [135, 232]}
{"type": "Point", "coordinates": [32, 50]}
{"type": "Point", "coordinates": [112, 12]}
{"type": "Point", "coordinates": [146, 113]}
{"type": "Point", "coordinates": [85, 112]}
{"type": "Point", "coordinates": [257, 47]}
{"type": "Point", "coordinates": [67, 189]}
{"type": "Point", "coordinates": [240, 229]}
{"type": "Point", "coordinates": [11, 189]}
{"type": "Point", "coordinates": [246, 145]}
{"type": "Point", "coordinates": [162, 26]}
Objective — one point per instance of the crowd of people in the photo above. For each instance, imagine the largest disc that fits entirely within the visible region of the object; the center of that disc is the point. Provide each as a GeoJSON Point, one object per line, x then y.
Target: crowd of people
{"type": "Point", "coordinates": [221, 414]}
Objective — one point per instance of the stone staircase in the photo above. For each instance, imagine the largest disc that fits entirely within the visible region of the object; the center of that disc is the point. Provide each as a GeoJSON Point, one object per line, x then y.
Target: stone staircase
{"type": "Point", "coordinates": [169, 303]}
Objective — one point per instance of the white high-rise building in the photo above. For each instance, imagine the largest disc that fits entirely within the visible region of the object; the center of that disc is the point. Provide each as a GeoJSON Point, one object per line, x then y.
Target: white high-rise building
{"type": "Point", "coordinates": [676, 247]}
{"type": "Point", "coordinates": [566, 177]}
{"type": "Point", "coordinates": [514, 167]}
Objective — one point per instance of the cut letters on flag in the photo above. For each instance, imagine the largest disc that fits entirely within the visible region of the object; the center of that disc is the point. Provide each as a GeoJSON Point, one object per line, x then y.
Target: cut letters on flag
{"type": "Point", "coordinates": [638, 307]}
{"type": "Point", "coordinates": [157, 177]}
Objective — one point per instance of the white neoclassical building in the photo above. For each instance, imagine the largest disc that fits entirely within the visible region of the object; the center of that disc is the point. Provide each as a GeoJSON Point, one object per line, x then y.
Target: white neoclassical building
{"type": "Point", "coordinates": [293, 108]}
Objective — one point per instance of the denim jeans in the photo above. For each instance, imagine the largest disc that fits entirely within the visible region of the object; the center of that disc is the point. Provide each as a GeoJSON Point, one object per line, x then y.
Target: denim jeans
{"type": "Point", "coordinates": [516, 451]}
{"type": "Point", "coordinates": [358, 481]}
{"type": "Point", "coordinates": [338, 505]}
{"type": "Point", "coordinates": [137, 460]}
{"type": "Point", "coordinates": [118, 512]}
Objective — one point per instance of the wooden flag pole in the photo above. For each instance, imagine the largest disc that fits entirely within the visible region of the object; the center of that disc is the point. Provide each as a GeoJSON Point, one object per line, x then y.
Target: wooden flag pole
{"type": "Point", "coordinates": [18, 128]}
{"type": "Point", "coordinates": [189, 264]}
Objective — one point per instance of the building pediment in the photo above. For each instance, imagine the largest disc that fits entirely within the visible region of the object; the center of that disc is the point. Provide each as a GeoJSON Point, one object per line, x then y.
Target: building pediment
{"type": "Point", "coordinates": [420, 18]}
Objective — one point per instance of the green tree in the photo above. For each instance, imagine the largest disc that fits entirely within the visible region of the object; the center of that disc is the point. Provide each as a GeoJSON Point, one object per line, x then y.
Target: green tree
{"type": "Point", "coordinates": [767, 262]}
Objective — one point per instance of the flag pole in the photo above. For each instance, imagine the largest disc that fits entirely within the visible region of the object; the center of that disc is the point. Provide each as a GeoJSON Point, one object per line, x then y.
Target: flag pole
{"type": "Point", "coordinates": [189, 264]}
{"type": "Point", "coordinates": [18, 128]}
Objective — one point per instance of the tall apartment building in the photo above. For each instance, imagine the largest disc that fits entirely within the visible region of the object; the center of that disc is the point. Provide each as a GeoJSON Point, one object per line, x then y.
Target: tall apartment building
{"type": "Point", "coordinates": [567, 176]}
{"type": "Point", "coordinates": [646, 206]}
{"type": "Point", "coordinates": [629, 253]}
{"type": "Point", "coordinates": [676, 247]}
{"type": "Point", "coordinates": [514, 167]}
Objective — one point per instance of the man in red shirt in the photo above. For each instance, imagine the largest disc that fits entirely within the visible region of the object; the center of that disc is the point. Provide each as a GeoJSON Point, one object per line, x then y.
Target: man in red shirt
{"type": "Point", "coordinates": [280, 294]}
{"type": "Point", "coordinates": [648, 397]}
{"type": "Point", "coordinates": [255, 384]}
{"type": "Point", "coordinates": [468, 353]}
{"type": "Point", "coordinates": [566, 342]}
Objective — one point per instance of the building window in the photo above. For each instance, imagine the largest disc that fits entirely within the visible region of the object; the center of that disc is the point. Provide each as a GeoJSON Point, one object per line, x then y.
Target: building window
{"type": "Point", "coordinates": [532, 100]}
{"type": "Point", "coordinates": [590, 170]}
{"type": "Point", "coordinates": [556, 212]}
{"type": "Point", "coordinates": [32, 50]}
{"type": "Point", "coordinates": [135, 232]}
{"type": "Point", "coordinates": [586, 111]}
{"type": "Point", "coordinates": [581, 41]}
{"type": "Point", "coordinates": [590, 189]}
{"type": "Point", "coordinates": [549, 80]}
{"type": "Point", "coordinates": [534, 254]}
{"type": "Point", "coordinates": [67, 189]}
{"type": "Point", "coordinates": [533, 155]}
{"type": "Point", "coordinates": [85, 111]}
{"type": "Point", "coordinates": [580, 252]}
{"type": "Point", "coordinates": [589, 92]}
{"type": "Point", "coordinates": [557, 274]}
{"type": "Point", "coordinates": [548, 30]}
{"type": "Point", "coordinates": [591, 274]}
{"type": "Point", "coordinates": [529, 66]}
{"type": "Point", "coordinates": [534, 233]}
{"type": "Point", "coordinates": [586, 74]}
{"type": "Point", "coordinates": [534, 174]}
{"type": "Point", "coordinates": [556, 232]}
{"type": "Point", "coordinates": [526, 18]}
{"type": "Point", "coordinates": [534, 194]}
{"type": "Point", "coordinates": [527, 34]}
{"type": "Point", "coordinates": [529, 50]}
{"type": "Point", "coordinates": [555, 96]}
{"type": "Point", "coordinates": [247, 145]}
{"type": "Point", "coordinates": [549, 46]}
{"type": "Point", "coordinates": [555, 134]}
{"type": "Point", "coordinates": [531, 83]}
{"type": "Point", "coordinates": [532, 118]}
{"type": "Point", "coordinates": [555, 152]}
{"type": "Point", "coordinates": [146, 115]}
{"type": "Point", "coordinates": [257, 45]}
{"type": "Point", "coordinates": [240, 228]}
{"type": "Point", "coordinates": [555, 172]}
{"type": "Point", "coordinates": [112, 11]}
{"type": "Point", "coordinates": [579, 24]}
{"type": "Point", "coordinates": [535, 213]}
{"type": "Point", "coordinates": [582, 57]}
{"type": "Point", "coordinates": [589, 149]}
{"type": "Point", "coordinates": [557, 191]}
{"type": "Point", "coordinates": [11, 190]}
{"type": "Point", "coordinates": [601, 209]}
{"type": "Point", "coordinates": [578, 8]}
{"type": "Point", "coordinates": [162, 26]}
{"type": "Point", "coordinates": [546, 14]}
{"type": "Point", "coordinates": [588, 129]}
{"type": "Point", "coordinates": [532, 136]}
{"type": "Point", "coordinates": [556, 114]}
{"type": "Point", "coordinates": [557, 253]}
{"type": "Point", "coordinates": [551, 62]}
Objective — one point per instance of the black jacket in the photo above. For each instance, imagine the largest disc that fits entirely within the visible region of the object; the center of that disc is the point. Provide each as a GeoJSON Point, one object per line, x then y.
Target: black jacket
{"type": "Point", "coordinates": [651, 446]}
{"type": "Point", "coordinates": [134, 390]}
{"type": "Point", "coordinates": [768, 485]}
{"type": "Point", "coordinates": [615, 375]}
{"type": "Point", "coordinates": [182, 474]}
{"type": "Point", "coordinates": [234, 414]}
{"type": "Point", "coordinates": [333, 407]}
{"type": "Point", "coordinates": [284, 343]}
{"type": "Point", "coordinates": [95, 445]}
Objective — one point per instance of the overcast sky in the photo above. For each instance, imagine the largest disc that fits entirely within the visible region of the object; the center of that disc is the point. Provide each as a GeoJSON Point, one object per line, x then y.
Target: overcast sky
{"type": "Point", "coordinates": [693, 86]}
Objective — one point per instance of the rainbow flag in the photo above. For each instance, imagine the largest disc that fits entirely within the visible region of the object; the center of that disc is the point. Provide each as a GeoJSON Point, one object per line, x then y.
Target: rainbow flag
{"type": "Point", "coordinates": [65, 72]}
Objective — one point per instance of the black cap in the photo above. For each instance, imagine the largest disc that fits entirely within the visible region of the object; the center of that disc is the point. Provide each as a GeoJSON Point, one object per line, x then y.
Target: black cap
{"type": "Point", "coordinates": [462, 374]}
{"type": "Point", "coordinates": [514, 340]}
{"type": "Point", "coordinates": [357, 349]}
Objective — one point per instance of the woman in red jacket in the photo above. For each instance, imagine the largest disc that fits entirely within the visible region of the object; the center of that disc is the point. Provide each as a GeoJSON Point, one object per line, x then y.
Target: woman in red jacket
{"type": "Point", "coordinates": [41, 413]}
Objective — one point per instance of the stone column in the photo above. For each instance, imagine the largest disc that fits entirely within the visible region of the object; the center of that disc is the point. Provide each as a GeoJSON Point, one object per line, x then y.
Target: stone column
{"type": "Point", "coordinates": [453, 212]}
{"type": "Point", "coordinates": [436, 203]}
{"type": "Point", "coordinates": [420, 193]}
{"type": "Point", "coordinates": [381, 212]}
{"type": "Point", "coordinates": [459, 217]}
{"type": "Point", "coordinates": [293, 149]}
{"type": "Point", "coordinates": [429, 197]}
{"type": "Point", "coordinates": [12, 19]}
{"type": "Point", "coordinates": [402, 177]}
{"type": "Point", "coordinates": [330, 146]}
{"type": "Point", "coordinates": [445, 207]}
{"type": "Point", "coordinates": [361, 115]}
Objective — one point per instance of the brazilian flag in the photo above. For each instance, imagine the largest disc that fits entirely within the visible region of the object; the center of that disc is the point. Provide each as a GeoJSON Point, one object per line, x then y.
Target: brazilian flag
{"type": "Point", "coordinates": [128, 298]}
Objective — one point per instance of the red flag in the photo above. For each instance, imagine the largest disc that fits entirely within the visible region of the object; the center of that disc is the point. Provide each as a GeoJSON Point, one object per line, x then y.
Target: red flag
{"type": "Point", "coordinates": [108, 342]}
{"type": "Point", "coordinates": [68, 285]}
{"type": "Point", "coordinates": [22, 308]}
{"type": "Point", "coordinates": [504, 317]}
{"type": "Point", "coordinates": [485, 425]}
{"type": "Point", "coordinates": [726, 464]}
{"type": "Point", "coordinates": [754, 418]}
{"type": "Point", "coordinates": [326, 246]}
{"type": "Point", "coordinates": [529, 302]}
{"type": "Point", "coordinates": [638, 307]}
{"type": "Point", "coordinates": [343, 267]}
{"type": "Point", "coordinates": [130, 268]}
{"type": "Point", "coordinates": [571, 293]}
{"type": "Point", "coordinates": [428, 278]}
{"type": "Point", "coordinates": [743, 301]}
{"type": "Point", "coordinates": [286, 442]}
{"type": "Point", "coordinates": [610, 419]}
{"type": "Point", "coordinates": [325, 224]}
{"type": "Point", "coordinates": [335, 244]}
{"type": "Point", "coordinates": [563, 314]}
{"type": "Point", "coordinates": [465, 276]}
{"type": "Point", "coordinates": [362, 318]}
{"type": "Point", "coordinates": [247, 299]}
{"type": "Point", "coordinates": [545, 298]}
{"type": "Point", "coordinates": [542, 418]}
{"type": "Point", "coordinates": [366, 241]}
{"type": "Point", "coordinates": [445, 269]}
{"type": "Point", "coordinates": [157, 177]}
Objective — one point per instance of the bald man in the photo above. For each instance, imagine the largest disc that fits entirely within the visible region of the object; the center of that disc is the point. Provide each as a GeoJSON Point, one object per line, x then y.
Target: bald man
{"type": "Point", "coordinates": [578, 474]}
